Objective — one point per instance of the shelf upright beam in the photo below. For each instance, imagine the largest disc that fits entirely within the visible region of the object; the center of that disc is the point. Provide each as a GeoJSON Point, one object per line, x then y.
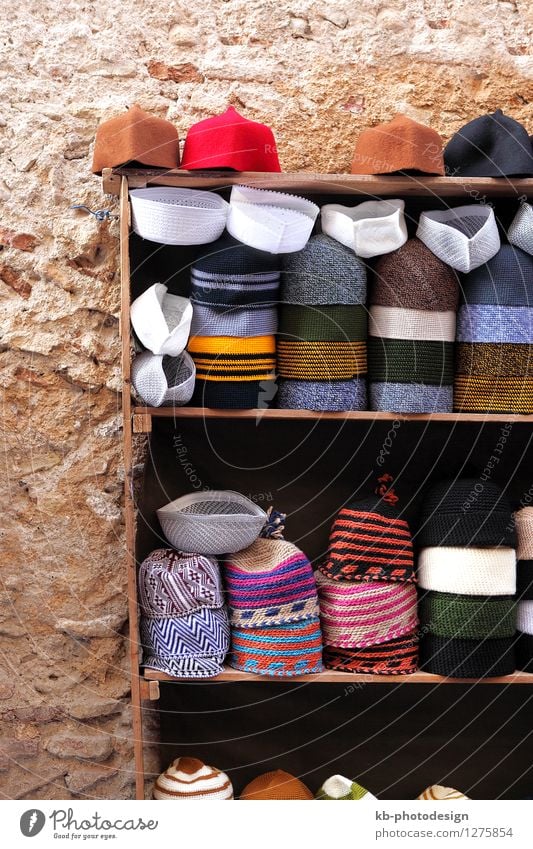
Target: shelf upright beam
{"type": "Point", "coordinates": [129, 507]}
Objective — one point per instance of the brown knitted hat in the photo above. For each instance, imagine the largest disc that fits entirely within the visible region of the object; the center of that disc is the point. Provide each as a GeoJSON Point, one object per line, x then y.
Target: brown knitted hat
{"type": "Point", "coordinates": [276, 785]}
{"type": "Point", "coordinates": [138, 137]}
{"type": "Point", "coordinates": [400, 145]}
{"type": "Point", "coordinates": [412, 277]}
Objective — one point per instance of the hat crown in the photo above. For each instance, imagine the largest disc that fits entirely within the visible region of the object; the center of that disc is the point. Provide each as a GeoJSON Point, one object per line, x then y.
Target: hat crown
{"type": "Point", "coordinates": [401, 144]}
{"type": "Point", "coordinates": [188, 765]}
{"type": "Point", "coordinates": [412, 277]}
{"type": "Point", "coordinates": [324, 272]}
{"type": "Point", "coordinates": [230, 140]}
{"type": "Point", "coordinates": [135, 135]}
{"type": "Point", "coordinates": [491, 145]}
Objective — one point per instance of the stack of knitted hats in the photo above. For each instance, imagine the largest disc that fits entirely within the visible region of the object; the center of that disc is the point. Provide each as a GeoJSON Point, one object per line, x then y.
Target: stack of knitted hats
{"type": "Point", "coordinates": [524, 535]}
{"type": "Point", "coordinates": [467, 566]}
{"type": "Point", "coordinates": [184, 624]}
{"type": "Point", "coordinates": [412, 331]}
{"type": "Point", "coordinates": [323, 326]}
{"type": "Point", "coordinates": [368, 601]}
{"type": "Point", "coordinates": [273, 608]}
{"type": "Point", "coordinates": [234, 293]}
{"type": "Point", "coordinates": [494, 365]}
{"type": "Point", "coordinates": [188, 779]}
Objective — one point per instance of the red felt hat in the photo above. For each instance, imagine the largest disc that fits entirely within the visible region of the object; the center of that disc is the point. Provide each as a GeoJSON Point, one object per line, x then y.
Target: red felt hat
{"type": "Point", "coordinates": [230, 141]}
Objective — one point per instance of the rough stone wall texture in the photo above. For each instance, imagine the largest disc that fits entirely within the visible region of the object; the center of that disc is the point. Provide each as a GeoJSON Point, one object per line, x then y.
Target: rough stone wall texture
{"type": "Point", "coordinates": [317, 72]}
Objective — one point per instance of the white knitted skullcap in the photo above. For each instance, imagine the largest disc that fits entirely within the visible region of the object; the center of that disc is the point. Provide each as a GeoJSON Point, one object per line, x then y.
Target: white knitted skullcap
{"type": "Point", "coordinates": [372, 228]}
{"type": "Point", "coordinates": [163, 382]}
{"type": "Point", "coordinates": [520, 232]}
{"type": "Point", "coordinates": [439, 793]}
{"type": "Point", "coordinates": [468, 571]}
{"type": "Point", "coordinates": [188, 779]}
{"type": "Point", "coordinates": [270, 221]}
{"type": "Point", "coordinates": [399, 323]}
{"type": "Point", "coordinates": [464, 237]}
{"type": "Point", "coordinates": [339, 787]}
{"type": "Point", "coordinates": [524, 533]}
{"type": "Point", "coordinates": [524, 620]}
{"type": "Point", "coordinates": [172, 216]}
{"type": "Point", "coordinates": [162, 321]}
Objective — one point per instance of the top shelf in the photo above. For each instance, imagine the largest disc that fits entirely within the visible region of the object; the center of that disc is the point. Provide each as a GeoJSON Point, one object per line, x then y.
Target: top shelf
{"type": "Point", "coordinates": [475, 189]}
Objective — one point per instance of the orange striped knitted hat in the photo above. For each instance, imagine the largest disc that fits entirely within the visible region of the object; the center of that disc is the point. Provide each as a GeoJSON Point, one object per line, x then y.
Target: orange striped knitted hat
{"type": "Point", "coordinates": [276, 785]}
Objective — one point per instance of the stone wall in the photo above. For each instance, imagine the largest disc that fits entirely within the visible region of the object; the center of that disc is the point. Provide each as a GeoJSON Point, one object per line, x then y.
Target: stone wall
{"type": "Point", "coordinates": [317, 72]}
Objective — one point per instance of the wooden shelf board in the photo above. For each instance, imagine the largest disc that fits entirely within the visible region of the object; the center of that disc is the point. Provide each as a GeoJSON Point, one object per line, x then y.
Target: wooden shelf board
{"type": "Point", "coordinates": [332, 677]}
{"type": "Point", "coordinates": [143, 415]}
{"type": "Point", "coordinates": [311, 183]}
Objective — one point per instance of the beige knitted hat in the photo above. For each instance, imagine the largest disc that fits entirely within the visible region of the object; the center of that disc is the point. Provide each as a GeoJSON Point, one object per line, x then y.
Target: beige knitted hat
{"type": "Point", "coordinates": [438, 793]}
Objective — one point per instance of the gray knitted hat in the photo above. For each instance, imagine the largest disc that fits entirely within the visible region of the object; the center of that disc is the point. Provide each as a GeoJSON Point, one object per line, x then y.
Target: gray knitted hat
{"type": "Point", "coordinates": [324, 272]}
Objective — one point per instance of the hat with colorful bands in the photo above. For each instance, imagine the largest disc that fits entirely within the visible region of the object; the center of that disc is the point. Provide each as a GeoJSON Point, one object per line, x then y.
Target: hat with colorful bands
{"type": "Point", "coordinates": [284, 650]}
{"type": "Point", "coordinates": [394, 657]}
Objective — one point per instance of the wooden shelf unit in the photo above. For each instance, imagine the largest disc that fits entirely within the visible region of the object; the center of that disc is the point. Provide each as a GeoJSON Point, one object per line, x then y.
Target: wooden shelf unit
{"type": "Point", "coordinates": [138, 419]}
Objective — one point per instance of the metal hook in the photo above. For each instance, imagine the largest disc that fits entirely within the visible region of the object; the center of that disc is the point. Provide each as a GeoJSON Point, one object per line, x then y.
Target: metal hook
{"type": "Point", "coordinates": [99, 214]}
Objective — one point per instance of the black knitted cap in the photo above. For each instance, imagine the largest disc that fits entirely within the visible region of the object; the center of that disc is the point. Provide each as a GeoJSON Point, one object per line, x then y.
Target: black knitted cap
{"type": "Point", "coordinates": [466, 512]}
{"type": "Point", "coordinates": [467, 658]}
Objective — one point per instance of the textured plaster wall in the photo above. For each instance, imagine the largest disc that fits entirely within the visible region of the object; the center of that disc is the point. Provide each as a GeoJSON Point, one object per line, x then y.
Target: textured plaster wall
{"type": "Point", "coordinates": [317, 72]}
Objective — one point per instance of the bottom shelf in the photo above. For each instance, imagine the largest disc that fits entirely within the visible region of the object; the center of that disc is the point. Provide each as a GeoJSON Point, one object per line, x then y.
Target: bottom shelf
{"type": "Point", "coordinates": [332, 677]}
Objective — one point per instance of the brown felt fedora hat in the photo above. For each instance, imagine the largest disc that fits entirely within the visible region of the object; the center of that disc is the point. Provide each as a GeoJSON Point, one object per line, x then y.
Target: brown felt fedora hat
{"type": "Point", "coordinates": [136, 136]}
{"type": "Point", "coordinates": [276, 785]}
{"type": "Point", "coordinates": [399, 145]}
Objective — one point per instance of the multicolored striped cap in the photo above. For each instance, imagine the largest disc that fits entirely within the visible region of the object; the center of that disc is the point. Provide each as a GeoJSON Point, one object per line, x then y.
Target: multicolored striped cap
{"type": "Point", "coordinates": [394, 657]}
{"type": "Point", "coordinates": [278, 651]}
{"type": "Point", "coordinates": [269, 583]}
{"type": "Point", "coordinates": [369, 541]}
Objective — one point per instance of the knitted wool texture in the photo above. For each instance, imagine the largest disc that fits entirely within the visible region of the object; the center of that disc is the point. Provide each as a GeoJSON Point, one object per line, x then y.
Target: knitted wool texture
{"type": "Point", "coordinates": [285, 650]}
{"type": "Point", "coordinates": [524, 579]}
{"type": "Point", "coordinates": [466, 512]}
{"type": "Point", "coordinates": [356, 615]}
{"type": "Point", "coordinates": [190, 779]}
{"type": "Point", "coordinates": [405, 361]}
{"type": "Point", "coordinates": [438, 793]}
{"type": "Point", "coordinates": [204, 633]}
{"type": "Point", "coordinates": [321, 360]}
{"type": "Point", "coordinates": [524, 652]}
{"type": "Point", "coordinates": [468, 571]}
{"type": "Point", "coordinates": [186, 667]}
{"type": "Point", "coordinates": [232, 394]}
{"type": "Point", "coordinates": [524, 533]}
{"type": "Point", "coordinates": [369, 542]}
{"type": "Point", "coordinates": [276, 785]}
{"type": "Point", "coordinates": [467, 658]}
{"type": "Point", "coordinates": [333, 395]}
{"type": "Point", "coordinates": [412, 277]}
{"type": "Point", "coordinates": [136, 137]}
{"type": "Point", "coordinates": [270, 583]}
{"type": "Point", "coordinates": [492, 145]}
{"type": "Point", "coordinates": [524, 621]}
{"type": "Point", "coordinates": [233, 321]}
{"type": "Point", "coordinates": [394, 657]}
{"type": "Point", "coordinates": [176, 584]}
{"type": "Point", "coordinates": [398, 145]}
{"type": "Point", "coordinates": [324, 272]}
{"type": "Point", "coordinates": [520, 233]}
{"type": "Point", "coordinates": [410, 397]}
{"type": "Point", "coordinates": [335, 323]}
{"type": "Point", "coordinates": [339, 788]}
{"type": "Point", "coordinates": [230, 358]}
{"type": "Point", "coordinates": [468, 617]}
{"type": "Point", "coordinates": [231, 141]}
{"type": "Point", "coordinates": [494, 335]}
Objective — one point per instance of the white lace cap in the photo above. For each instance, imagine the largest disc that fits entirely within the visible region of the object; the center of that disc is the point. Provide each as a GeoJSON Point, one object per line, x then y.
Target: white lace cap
{"type": "Point", "coordinates": [372, 228]}
{"type": "Point", "coordinates": [178, 216]}
{"type": "Point", "coordinates": [162, 321]}
{"type": "Point", "coordinates": [520, 232]}
{"type": "Point", "coordinates": [464, 237]}
{"type": "Point", "coordinates": [270, 221]}
{"type": "Point", "coordinates": [159, 384]}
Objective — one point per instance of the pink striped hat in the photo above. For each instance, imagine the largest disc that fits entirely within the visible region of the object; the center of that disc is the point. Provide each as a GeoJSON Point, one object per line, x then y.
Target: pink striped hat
{"type": "Point", "coordinates": [270, 583]}
{"type": "Point", "coordinates": [355, 615]}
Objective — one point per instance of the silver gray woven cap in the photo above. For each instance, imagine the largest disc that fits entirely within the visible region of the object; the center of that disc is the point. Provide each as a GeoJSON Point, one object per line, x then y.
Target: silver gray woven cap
{"type": "Point", "coordinates": [234, 321]}
{"type": "Point", "coordinates": [324, 272]}
{"type": "Point", "coordinates": [520, 232]}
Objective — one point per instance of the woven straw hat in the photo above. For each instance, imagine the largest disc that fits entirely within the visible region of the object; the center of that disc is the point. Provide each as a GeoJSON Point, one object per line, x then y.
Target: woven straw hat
{"type": "Point", "coordinates": [175, 584]}
{"type": "Point", "coordinates": [372, 228]}
{"type": "Point", "coordinates": [136, 137]}
{"type": "Point", "coordinates": [276, 785]}
{"type": "Point", "coordinates": [343, 789]}
{"type": "Point", "coordinates": [163, 381]}
{"type": "Point", "coordinates": [230, 141]}
{"type": "Point", "coordinates": [464, 237]}
{"type": "Point", "coordinates": [188, 779]}
{"type": "Point", "coordinates": [162, 321]}
{"type": "Point", "coordinates": [398, 145]}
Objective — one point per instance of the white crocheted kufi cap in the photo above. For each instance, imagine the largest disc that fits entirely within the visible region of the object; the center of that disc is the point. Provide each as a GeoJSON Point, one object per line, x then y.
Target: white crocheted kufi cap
{"type": "Point", "coordinates": [520, 232]}
{"type": "Point", "coordinates": [270, 221]}
{"type": "Point", "coordinates": [400, 323]}
{"type": "Point", "coordinates": [188, 779]}
{"type": "Point", "coordinates": [464, 237]}
{"type": "Point", "coordinates": [172, 216]}
{"type": "Point", "coordinates": [163, 381]}
{"type": "Point", "coordinates": [372, 228]}
{"type": "Point", "coordinates": [162, 321]}
{"type": "Point", "coordinates": [467, 571]}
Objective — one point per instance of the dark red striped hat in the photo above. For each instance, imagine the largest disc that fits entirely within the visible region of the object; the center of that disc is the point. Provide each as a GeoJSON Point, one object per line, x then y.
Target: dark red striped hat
{"type": "Point", "coordinates": [369, 541]}
{"type": "Point", "coordinates": [395, 657]}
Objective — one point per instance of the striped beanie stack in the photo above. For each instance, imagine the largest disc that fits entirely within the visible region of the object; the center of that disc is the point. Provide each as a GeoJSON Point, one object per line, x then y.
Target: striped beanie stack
{"type": "Point", "coordinates": [188, 779]}
{"type": "Point", "coordinates": [184, 624]}
{"type": "Point", "coordinates": [273, 610]}
{"type": "Point", "coordinates": [322, 328]}
{"type": "Point", "coordinates": [494, 352]}
{"type": "Point", "coordinates": [524, 535]}
{"type": "Point", "coordinates": [467, 572]}
{"type": "Point", "coordinates": [412, 331]}
{"type": "Point", "coordinates": [367, 594]}
{"type": "Point", "coordinates": [234, 293]}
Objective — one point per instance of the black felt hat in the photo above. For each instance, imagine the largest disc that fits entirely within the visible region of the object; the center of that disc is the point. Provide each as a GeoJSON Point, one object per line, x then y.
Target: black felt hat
{"type": "Point", "coordinates": [490, 146]}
